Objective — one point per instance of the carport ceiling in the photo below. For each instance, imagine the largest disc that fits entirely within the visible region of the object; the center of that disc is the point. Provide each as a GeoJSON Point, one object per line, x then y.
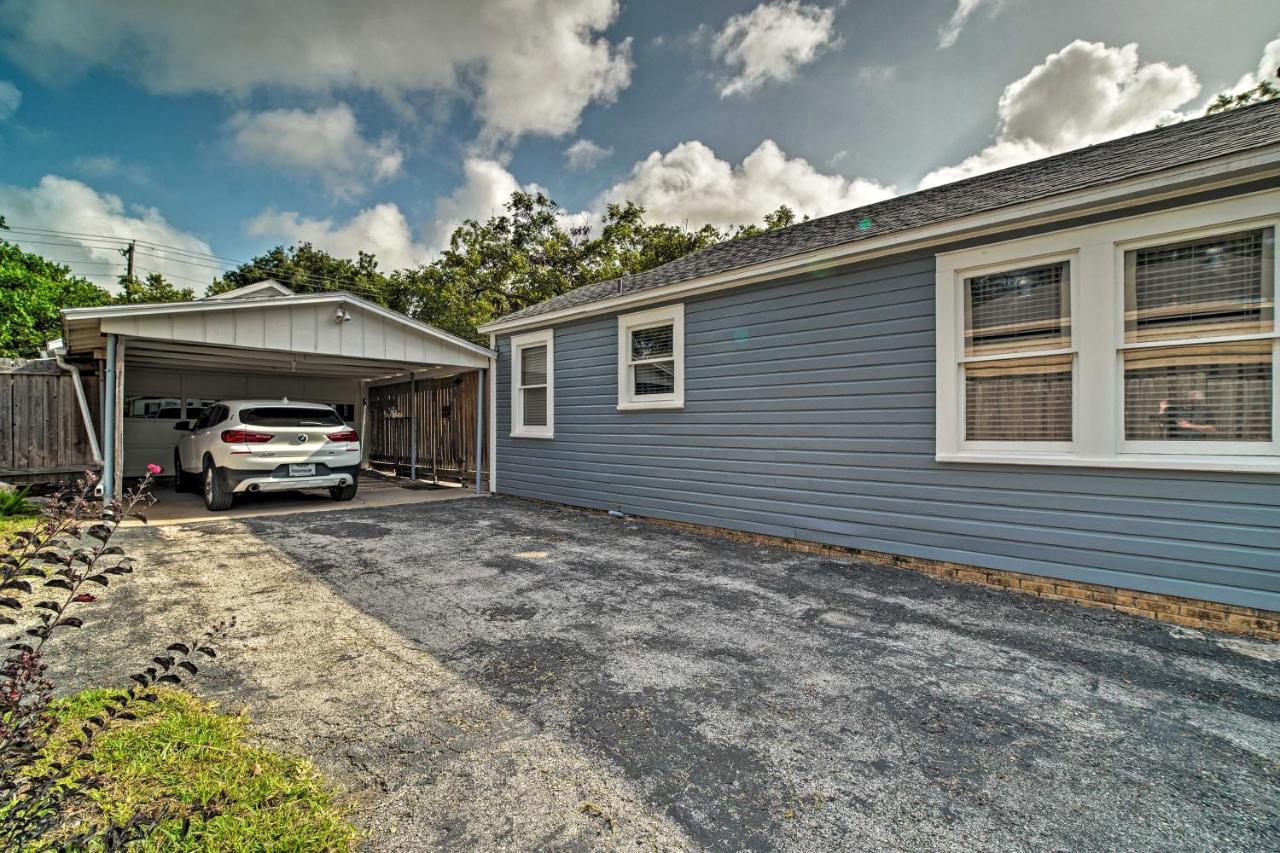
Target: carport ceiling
{"type": "Point", "coordinates": [180, 355]}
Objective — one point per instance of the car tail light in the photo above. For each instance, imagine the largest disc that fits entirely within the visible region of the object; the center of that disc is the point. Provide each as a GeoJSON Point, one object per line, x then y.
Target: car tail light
{"type": "Point", "coordinates": [344, 435]}
{"type": "Point", "coordinates": [244, 436]}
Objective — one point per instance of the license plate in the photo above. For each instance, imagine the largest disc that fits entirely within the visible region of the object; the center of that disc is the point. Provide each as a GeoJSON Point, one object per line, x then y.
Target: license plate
{"type": "Point", "coordinates": [302, 470]}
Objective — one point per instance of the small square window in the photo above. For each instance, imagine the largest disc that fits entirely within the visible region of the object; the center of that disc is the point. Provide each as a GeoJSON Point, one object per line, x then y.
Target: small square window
{"type": "Point", "coordinates": [651, 359]}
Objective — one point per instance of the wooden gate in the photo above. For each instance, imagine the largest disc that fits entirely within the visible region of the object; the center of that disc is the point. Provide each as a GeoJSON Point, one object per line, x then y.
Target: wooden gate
{"type": "Point", "coordinates": [42, 434]}
{"type": "Point", "coordinates": [446, 428]}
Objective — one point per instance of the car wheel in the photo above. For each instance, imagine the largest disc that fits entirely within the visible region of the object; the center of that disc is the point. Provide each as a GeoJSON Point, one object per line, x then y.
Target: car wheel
{"type": "Point", "coordinates": [179, 476]}
{"type": "Point", "coordinates": [344, 493]}
{"type": "Point", "coordinates": [216, 497]}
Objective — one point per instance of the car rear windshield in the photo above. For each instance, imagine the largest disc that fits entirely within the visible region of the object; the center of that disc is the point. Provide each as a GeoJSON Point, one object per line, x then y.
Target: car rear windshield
{"type": "Point", "coordinates": [289, 416]}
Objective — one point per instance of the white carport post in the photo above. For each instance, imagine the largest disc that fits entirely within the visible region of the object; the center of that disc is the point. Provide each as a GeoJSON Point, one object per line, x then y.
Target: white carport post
{"type": "Point", "coordinates": [109, 437]}
{"type": "Point", "coordinates": [413, 427]}
{"type": "Point", "coordinates": [480, 375]}
{"type": "Point", "coordinates": [113, 420]}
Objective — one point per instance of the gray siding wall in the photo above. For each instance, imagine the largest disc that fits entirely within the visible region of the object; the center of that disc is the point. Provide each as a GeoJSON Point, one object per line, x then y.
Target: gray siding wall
{"type": "Point", "coordinates": [809, 413]}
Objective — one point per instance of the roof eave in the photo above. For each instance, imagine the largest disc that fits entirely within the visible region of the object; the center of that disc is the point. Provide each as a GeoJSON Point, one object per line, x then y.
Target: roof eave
{"type": "Point", "coordinates": [1168, 183]}
{"type": "Point", "coordinates": [102, 312]}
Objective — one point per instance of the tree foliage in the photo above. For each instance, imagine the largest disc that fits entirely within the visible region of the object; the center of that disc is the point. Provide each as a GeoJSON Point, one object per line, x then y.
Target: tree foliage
{"type": "Point", "coordinates": [304, 268]}
{"type": "Point", "coordinates": [1264, 91]}
{"type": "Point", "coordinates": [528, 253]}
{"type": "Point", "coordinates": [32, 291]}
{"type": "Point", "coordinates": [154, 288]}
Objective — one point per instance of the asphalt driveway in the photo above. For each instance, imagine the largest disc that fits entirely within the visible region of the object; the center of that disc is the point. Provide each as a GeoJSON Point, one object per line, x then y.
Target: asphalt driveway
{"type": "Point", "coordinates": [495, 674]}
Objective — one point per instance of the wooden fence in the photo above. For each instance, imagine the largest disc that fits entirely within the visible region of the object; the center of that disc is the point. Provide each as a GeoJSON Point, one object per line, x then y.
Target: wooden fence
{"type": "Point", "coordinates": [446, 427]}
{"type": "Point", "coordinates": [42, 433]}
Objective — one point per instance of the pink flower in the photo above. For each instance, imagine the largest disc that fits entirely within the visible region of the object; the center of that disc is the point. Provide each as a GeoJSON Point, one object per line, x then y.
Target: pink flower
{"type": "Point", "coordinates": [153, 468]}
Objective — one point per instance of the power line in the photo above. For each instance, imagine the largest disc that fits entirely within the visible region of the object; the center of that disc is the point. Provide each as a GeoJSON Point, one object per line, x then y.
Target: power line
{"type": "Point", "coordinates": [224, 264]}
{"type": "Point", "coordinates": [298, 277]}
{"type": "Point", "coordinates": [72, 245]}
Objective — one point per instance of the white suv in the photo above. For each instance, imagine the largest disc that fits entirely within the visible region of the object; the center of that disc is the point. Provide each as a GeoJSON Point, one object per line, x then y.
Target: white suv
{"type": "Point", "coordinates": [239, 446]}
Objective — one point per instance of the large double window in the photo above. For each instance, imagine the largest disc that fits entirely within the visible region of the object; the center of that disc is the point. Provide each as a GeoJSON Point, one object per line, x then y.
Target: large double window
{"type": "Point", "coordinates": [1146, 342]}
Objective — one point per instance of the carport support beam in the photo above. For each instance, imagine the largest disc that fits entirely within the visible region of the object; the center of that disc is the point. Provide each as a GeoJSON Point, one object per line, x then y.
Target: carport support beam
{"type": "Point", "coordinates": [109, 437]}
{"type": "Point", "coordinates": [413, 428]}
{"type": "Point", "coordinates": [479, 426]}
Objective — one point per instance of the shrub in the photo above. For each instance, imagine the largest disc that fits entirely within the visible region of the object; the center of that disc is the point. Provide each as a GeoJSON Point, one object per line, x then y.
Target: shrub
{"type": "Point", "coordinates": [14, 502]}
{"type": "Point", "coordinates": [66, 555]}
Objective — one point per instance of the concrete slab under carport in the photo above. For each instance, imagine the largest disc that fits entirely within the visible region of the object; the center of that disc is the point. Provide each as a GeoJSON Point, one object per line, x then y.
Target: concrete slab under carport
{"type": "Point", "coordinates": [173, 507]}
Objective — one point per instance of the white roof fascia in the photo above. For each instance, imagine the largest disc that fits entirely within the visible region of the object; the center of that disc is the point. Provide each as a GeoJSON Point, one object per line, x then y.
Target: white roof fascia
{"type": "Point", "coordinates": [334, 297]}
{"type": "Point", "coordinates": [1185, 180]}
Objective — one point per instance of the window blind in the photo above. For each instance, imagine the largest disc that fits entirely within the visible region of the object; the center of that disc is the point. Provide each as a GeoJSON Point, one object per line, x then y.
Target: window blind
{"type": "Point", "coordinates": [1213, 392]}
{"type": "Point", "coordinates": [533, 366]}
{"type": "Point", "coordinates": [1026, 399]}
{"type": "Point", "coordinates": [655, 342]}
{"type": "Point", "coordinates": [1208, 287]}
{"type": "Point", "coordinates": [1018, 311]}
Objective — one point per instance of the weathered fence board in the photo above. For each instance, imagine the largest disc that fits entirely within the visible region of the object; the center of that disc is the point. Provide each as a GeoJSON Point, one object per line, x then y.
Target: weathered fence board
{"type": "Point", "coordinates": [446, 427]}
{"type": "Point", "coordinates": [42, 433]}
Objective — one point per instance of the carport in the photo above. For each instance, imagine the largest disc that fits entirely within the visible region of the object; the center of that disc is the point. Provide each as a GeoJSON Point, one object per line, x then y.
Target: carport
{"type": "Point", "coordinates": [162, 363]}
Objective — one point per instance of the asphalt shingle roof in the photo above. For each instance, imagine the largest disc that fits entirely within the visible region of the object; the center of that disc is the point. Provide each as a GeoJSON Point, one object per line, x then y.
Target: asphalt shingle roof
{"type": "Point", "coordinates": [1131, 156]}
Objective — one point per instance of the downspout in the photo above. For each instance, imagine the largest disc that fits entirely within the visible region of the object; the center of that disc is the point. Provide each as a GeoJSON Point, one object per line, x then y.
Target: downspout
{"type": "Point", "coordinates": [109, 438]}
{"type": "Point", "coordinates": [84, 405]}
{"type": "Point", "coordinates": [493, 418]}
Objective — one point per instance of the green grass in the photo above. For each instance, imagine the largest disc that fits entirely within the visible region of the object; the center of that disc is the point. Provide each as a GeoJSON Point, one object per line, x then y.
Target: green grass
{"type": "Point", "coordinates": [180, 752]}
{"type": "Point", "coordinates": [10, 524]}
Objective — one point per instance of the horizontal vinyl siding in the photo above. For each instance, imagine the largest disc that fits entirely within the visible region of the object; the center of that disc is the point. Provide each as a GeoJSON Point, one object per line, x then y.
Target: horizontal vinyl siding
{"type": "Point", "coordinates": [809, 414]}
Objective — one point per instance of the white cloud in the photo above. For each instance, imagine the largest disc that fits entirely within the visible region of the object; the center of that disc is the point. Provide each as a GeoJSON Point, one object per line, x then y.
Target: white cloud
{"type": "Point", "coordinates": [585, 154]}
{"type": "Point", "coordinates": [66, 205]}
{"type": "Point", "coordinates": [10, 99]}
{"type": "Point", "coordinates": [530, 67]}
{"type": "Point", "coordinates": [106, 166]}
{"type": "Point", "coordinates": [325, 142]}
{"type": "Point", "coordinates": [691, 184]}
{"type": "Point", "coordinates": [1268, 69]}
{"type": "Point", "coordinates": [1084, 94]}
{"type": "Point", "coordinates": [771, 42]}
{"type": "Point", "coordinates": [876, 75]}
{"type": "Point", "coordinates": [486, 187]}
{"type": "Point", "coordinates": [950, 31]}
{"type": "Point", "coordinates": [381, 230]}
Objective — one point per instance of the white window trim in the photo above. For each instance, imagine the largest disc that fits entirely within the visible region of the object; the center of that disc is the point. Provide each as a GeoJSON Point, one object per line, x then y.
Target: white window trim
{"type": "Point", "coordinates": [627, 323]}
{"type": "Point", "coordinates": [545, 337]}
{"type": "Point", "coordinates": [1097, 325]}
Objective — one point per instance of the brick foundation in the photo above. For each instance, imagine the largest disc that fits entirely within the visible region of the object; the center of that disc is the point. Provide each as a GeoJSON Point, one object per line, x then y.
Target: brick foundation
{"type": "Point", "coordinates": [1191, 612]}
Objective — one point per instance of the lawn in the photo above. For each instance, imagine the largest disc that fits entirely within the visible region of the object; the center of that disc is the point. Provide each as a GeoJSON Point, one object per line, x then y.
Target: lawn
{"type": "Point", "coordinates": [10, 524]}
{"type": "Point", "coordinates": [180, 753]}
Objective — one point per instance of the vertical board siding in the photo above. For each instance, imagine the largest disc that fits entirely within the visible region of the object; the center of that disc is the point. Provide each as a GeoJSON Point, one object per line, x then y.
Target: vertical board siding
{"type": "Point", "coordinates": [42, 432]}
{"type": "Point", "coordinates": [809, 413]}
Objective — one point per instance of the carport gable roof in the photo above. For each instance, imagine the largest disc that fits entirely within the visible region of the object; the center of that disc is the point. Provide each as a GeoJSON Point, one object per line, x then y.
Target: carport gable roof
{"type": "Point", "coordinates": [303, 326]}
{"type": "Point", "coordinates": [1169, 160]}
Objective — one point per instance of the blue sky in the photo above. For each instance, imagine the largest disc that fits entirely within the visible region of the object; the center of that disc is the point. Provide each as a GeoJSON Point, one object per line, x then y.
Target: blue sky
{"type": "Point", "coordinates": [227, 128]}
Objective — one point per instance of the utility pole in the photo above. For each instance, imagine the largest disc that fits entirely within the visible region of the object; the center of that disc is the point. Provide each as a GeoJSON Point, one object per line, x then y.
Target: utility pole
{"type": "Point", "coordinates": [128, 253]}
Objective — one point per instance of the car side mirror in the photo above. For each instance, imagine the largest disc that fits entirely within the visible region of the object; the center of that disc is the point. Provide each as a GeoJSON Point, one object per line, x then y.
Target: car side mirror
{"type": "Point", "coordinates": [185, 426]}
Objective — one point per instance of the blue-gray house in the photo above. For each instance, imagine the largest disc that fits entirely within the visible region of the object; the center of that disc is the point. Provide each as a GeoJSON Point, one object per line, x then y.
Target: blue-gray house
{"type": "Point", "coordinates": [1066, 368]}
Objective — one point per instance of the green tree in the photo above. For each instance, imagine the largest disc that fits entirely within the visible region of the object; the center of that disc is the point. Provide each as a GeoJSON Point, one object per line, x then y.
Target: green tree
{"type": "Point", "coordinates": [305, 269]}
{"type": "Point", "coordinates": [154, 288]}
{"type": "Point", "coordinates": [32, 291]}
{"type": "Point", "coordinates": [526, 254]}
{"type": "Point", "coordinates": [1265, 90]}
